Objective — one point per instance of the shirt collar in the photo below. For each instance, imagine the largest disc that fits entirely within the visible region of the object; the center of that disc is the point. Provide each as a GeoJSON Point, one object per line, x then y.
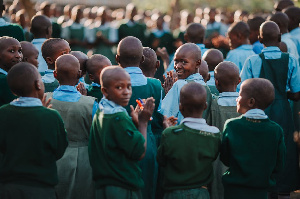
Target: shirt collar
{"type": "Point", "coordinates": [26, 102]}
{"type": "Point", "coordinates": [199, 124]}
{"type": "Point", "coordinates": [245, 47]}
{"type": "Point", "coordinates": [67, 88]}
{"type": "Point", "coordinates": [133, 70]}
{"type": "Point", "coordinates": [229, 94]}
{"type": "Point", "coordinates": [193, 120]}
{"type": "Point", "coordinates": [195, 76]}
{"type": "Point", "coordinates": [3, 22]}
{"type": "Point", "coordinates": [109, 107]}
{"type": "Point", "coordinates": [39, 40]}
{"type": "Point", "coordinates": [201, 46]}
{"type": "Point", "coordinates": [295, 31]}
{"type": "Point", "coordinates": [3, 71]}
{"type": "Point", "coordinates": [95, 84]}
{"type": "Point", "coordinates": [255, 114]}
{"type": "Point", "coordinates": [271, 49]}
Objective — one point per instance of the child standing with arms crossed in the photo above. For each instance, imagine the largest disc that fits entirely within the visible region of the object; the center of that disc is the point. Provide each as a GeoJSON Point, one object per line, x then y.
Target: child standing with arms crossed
{"type": "Point", "coordinates": [116, 145]}
{"type": "Point", "coordinates": [253, 146]}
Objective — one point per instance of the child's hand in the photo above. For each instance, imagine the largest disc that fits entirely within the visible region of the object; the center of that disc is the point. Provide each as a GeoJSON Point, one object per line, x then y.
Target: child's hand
{"type": "Point", "coordinates": [162, 52]}
{"type": "Point", "coordinates": [80, 87]}
{"type": "Point", "coordinates": [146, 113]}
{"type": "Point", "coordinates": [171, 121]}
{"type": "Point", "coordinates": [169, 81]}
{"type": "Point", "coordinates": [297, 138]}
{"type": "Point", "coordinates": [46, 103]}
{"type": "Point", "coordinates": [135, 115]}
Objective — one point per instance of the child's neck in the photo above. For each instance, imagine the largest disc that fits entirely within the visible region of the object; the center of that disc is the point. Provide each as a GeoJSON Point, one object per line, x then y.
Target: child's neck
{"type": "Point", "coordinates": [228, 89]}
{"type": "Point", "coordinates": [193, 115]}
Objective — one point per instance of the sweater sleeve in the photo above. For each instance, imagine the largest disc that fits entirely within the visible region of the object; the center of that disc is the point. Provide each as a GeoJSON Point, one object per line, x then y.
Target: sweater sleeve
{"type": "Point", "coordinates": [62, 140]}
{"type": "Point", "coordinates": [160, 151]}
{"type": "Point", "coordinates": [280, 154]}
{"type": "Point", "coordinates": [225, 150]}
{"type": "Point", "coordinates": [128, 138]}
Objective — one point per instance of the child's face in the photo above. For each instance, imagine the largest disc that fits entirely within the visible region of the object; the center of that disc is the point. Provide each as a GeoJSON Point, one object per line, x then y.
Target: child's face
{"type": "Point", "coordinates": [62, 48]}
{"type": "Point", "coordinates": [242, 102]}
{"type": "Point", "coordinates": [11, 54]}
{"type": "Point", "coordinates": [33, 58]}
{"type": "Point", "coordinates": [119, 91]}
{"type": "Point", "coordinates": [234, 40]}
{"type": "Point", "coordinates": [185, 63]}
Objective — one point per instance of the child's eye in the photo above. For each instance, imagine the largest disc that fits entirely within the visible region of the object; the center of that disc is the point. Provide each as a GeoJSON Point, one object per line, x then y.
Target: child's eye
{"type": "Point", "coordinates": [20, 51]}
{"type": "Point", "coordinates": [129, 87]}
{"type": "Point", "coordinates": [12, 50]}
{"type": "Point", "coordinates": [119, 87]}
{"type": "Point", "coordinates": [184, 62]}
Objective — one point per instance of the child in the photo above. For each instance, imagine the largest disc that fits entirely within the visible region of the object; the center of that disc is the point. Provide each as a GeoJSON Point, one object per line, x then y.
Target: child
{"type": "Point", "coordinates": [51, 49]}
{"type": "Point", "coordinates": [253, 146]}
{"type": "Point", "coordinates": [187, 62]}
{"type": "Point", "coordinates": [187, 151]}
{"type": "Point", "coordinates": [129, 56]}
{"type": "Point", "coordinates": [94, 66]}
{"type": "Point", "coordinates": [115, 144]}
{"type": "Point", "coordinates": [285, 76]}
{"type": "Point", "coordinates": [76, 110]}
{"type": "Point", "coordinates": [41, 28]}
{"type": "Point", "coordinates": [212, 57]}
{"type": "Point", "coordinates": [150, 64]}
{"type": "Point", "coordinates": [238, 34]}
{"type": "Point", "coordinates": [30, 147]}
{"type": "Point", "coordinates": [254, 25]}
{"type": "Point", "coordinates": [10, 54]}
{"type": "Point", "coordinates": [223, 107]}
{"type": "Point", "coordinates": [203, 71]}
{"type": "Point", "coordinates": [282, 20]}
{"type": "Point", "coordinates": [30, 53]}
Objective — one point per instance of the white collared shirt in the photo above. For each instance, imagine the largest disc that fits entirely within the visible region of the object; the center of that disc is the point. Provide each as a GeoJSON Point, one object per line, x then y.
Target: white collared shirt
{"type": "Point", "coordinates": [199, 124]}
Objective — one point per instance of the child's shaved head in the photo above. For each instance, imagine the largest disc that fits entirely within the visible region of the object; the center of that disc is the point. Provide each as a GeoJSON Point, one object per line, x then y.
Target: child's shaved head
{"type": "Point", "coordinates": [195, 33]}
{"type": "Point", "coordinates": [30, 53]}
{"type": "Point", "coordinates": [262, 90]}
{"type": "Point", "coordinates": [130, 52]}
{"type": "Point", "coordinates": [24, 79]}
{"type": "Point", "coordinates": [112, 73]}
{"type": "Point", "coordinates": [192, 49]}
{"type": "Point", "coordinates": [67, 70]}
{"type": "Point", "coordinates": [203, 70]}
{"type": "Point", "coordinates": [94, 66]}
{"type": "Point", "coordinates": [269, 33]}
{"type": "Point", "coordinates": [41, 26]}
{"type": "Point", "coordinates": [294, 17]}
{"type": "Point", "coordinates": [281, 19]}
{"type": "Point", "coordinates": [149, 65]}
{"type": "Point", "coordinates": [282, 4]}
{"type": "Point", "coordinates": [227, 76]}
{"type": "Point", "coordinates": [82, 58]}
{"type": "Point", "coordinates": [192, 100]}
{"type": "Point", "coordinates": [240, 28]}
{"type": "Point", "coordinates": [213, 57]}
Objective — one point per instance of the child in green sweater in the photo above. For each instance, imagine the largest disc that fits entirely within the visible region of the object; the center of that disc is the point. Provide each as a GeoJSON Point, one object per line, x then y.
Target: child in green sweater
{"type": "Point", "coordinates": [32, 138]}
{"type": "Point", "coordinates": [253, 146]}
{"type": "Point", "coordinates": [10, 54]}
{"type": "Point", "coordinates": [94, 65]}
{"type": "Point", "coordinates": [188, 150]}
{"type": "Point", "coordinates": [116, 145]}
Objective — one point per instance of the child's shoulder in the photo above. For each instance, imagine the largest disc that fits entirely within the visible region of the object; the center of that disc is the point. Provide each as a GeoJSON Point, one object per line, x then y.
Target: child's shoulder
{"type": "Point", "coordinates": [154, 81]}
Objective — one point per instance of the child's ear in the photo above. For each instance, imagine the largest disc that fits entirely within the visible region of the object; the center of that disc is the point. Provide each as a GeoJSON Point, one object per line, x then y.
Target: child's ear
{"type": "Point", "coordinates": [38, 84]}
{"type": "Point", "coordinates": [143, 59]}
{"type": "Point", "coordinates": [239, 80]}
{"type": "Point", "coordinates": [217, 82]}
{"type": "Point", "coordinates": [104, 91]}
{"type": "Point", "coordinates": [91, 77]}
{"type": "Point", "coordinates": [49, 60]}
{"type": "Point", "coordinates": [205, 106]}
{"type": "Point", "coordinates": [198, 63]}
{"type": "Point", "coordinates": [79, 74]}
{"type": "Point", "coordinates": [181, 109]}
{"type": "Point", "coordinates": [55, 74]}
{"type": "Point", "coordinates": [208, 77]}
{"type": "Point", "coordinates": [251, 102]}
{"type": "Point", "coordinates": [25, 59]}
{"type": "Point", "coordinates": [157, 64]}
{"type": "Point", "coordinates": [261, 40]}
{"type": "Point", "coordinates": [118, 59]}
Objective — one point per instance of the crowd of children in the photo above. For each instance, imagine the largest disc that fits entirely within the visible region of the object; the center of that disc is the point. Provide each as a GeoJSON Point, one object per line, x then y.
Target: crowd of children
{"type": "Point", "coordinates": [84, 115]}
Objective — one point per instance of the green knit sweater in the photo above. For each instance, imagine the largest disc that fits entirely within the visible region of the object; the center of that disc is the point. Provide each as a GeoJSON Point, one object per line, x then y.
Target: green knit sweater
{"type": "Point", "coordinates": [254, 151]}
{"type": "Point", "coordinates": [186, 155]}
{"type": "Point", "coordinates": [31, 140]}
{"type": "Point", "coordinates": [115, 147]}
{"type": "Point", "coordinates": [95, 91]}
{"type": "Point", "coordinates": [6, 95]}
{"type": "Point", "coordinates": [12, 30]}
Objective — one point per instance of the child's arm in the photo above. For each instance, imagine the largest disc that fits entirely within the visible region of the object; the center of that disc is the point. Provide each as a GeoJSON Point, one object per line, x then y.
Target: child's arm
{"type": "Point", "coordinates": [143, 118]}
{"type": "Point", "coordinates": [224, 151]}
{"type": "Point", "coordinates": [280, 154]}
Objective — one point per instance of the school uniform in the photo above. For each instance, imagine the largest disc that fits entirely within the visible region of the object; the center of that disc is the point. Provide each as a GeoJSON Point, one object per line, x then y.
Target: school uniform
{"type": "Point", "coordinates": [49, 81]}
{"type": "Point", "coordinates": [11, 30]}
{"type": "Point", "coordinates": [28, 164]}
{"type": "Point", "coordinates": [223, 108]}
{"type": "Point", "coordinates": [257, 47]}
{"type": "Point", "coordinates": [170, 104]}
{"type": "Point", "coordinates": [171, 65]}
{"type": "Point", "coordinates": [74, 170]}
{"type": "Point", "coordinates": [143, 87]}
{"type": "Point", "coordinates": [239, 55]}
{"type": "Point", "coordinates": [272, 64]}
{"type": "Point", "coordinates": [115, 146]}
{"type": "Point", "coordinates": [6, 95]}
{"type": "Point", "coordinates": [129, 28]}
{"type": "Point", "coordinates": [94, 90]}
{"type": "Point", "coordinates": [291, 46]}
{"type": "Point", "coordinates": [188, 175]}
{"type": "Point", "coordinates": [212, 84]}
{"type": "Point", "coordinates": [42, 63]}
{"type": "Point", "coordinates": [296, 38]}
{"type": "Point", "coordinates": [253, 148]}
